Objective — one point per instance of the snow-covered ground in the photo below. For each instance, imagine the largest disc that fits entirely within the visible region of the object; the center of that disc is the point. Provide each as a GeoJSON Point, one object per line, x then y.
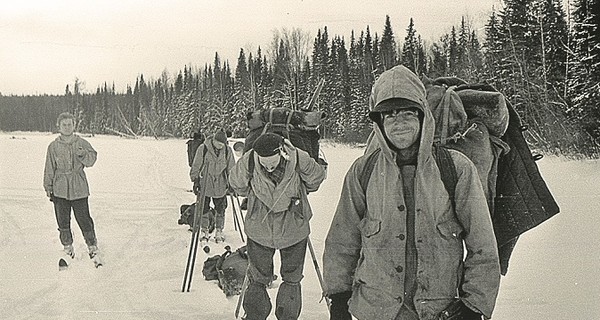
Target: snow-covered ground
{"type": "Point", "coordinates": [137, 187]}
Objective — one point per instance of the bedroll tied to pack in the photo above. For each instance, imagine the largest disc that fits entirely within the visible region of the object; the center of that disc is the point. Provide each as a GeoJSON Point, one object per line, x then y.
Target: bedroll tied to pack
{"type": "Point", "coordinates": [477, 120]}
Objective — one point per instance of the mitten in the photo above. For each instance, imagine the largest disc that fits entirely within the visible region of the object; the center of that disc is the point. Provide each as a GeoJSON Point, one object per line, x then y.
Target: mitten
{"type": "Point", "coordinates": [338, 310]}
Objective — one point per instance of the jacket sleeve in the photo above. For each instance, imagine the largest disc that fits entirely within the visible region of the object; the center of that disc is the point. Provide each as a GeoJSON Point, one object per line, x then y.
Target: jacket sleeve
{"type": "Point", "coordinates": [230, 160]}
{"type": "Point", "coordinates": [87, 155]}
{"type": "Point", "coordinates": [311, 173]}
{"type": "Point", "coordinates": [197, 163]}
{"type": "Point", "coordinates": [49, 170]}
{"type": "Point", "coordinates": [239, 176]}
{"type": "Point", "coordinates": [481, 281]}
{"type": "Point", "coordinates": [343, 242]}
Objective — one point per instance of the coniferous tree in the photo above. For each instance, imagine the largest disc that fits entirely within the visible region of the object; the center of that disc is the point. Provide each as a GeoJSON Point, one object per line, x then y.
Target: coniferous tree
{"type": "Point", "coordinates": [388, 50]}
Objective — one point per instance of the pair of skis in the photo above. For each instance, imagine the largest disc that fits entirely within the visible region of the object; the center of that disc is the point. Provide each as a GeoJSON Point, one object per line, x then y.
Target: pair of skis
{"type": "Point", "coordinates": [198, 213]}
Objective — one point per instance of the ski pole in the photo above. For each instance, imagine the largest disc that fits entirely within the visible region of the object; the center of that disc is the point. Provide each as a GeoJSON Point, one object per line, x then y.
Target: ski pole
{"type": "Point", "coordinates": [191, 261]}
{"type": "Point", "coordinates": [187, 267]}
{"type": "Point", "coordinates": [318, 270]}
{"type": "Point", "coordinates": [243, 293]}
{"type": "Point", "coordinates": [237, 220]}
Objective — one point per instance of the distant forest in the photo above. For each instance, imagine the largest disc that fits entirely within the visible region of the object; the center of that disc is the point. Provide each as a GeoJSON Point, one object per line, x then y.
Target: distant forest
{"type": "Point", "coordinates": [545, 61]}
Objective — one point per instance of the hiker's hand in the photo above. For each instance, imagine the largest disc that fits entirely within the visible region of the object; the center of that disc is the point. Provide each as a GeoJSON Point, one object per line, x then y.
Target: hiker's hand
{"type": "Point", "coordinates": [80, 152]}
{"type": "Point", "coordinates": [196, 186]}
{"type": "Point", "coordinates": [339, 306]}
{"type": "Point", "coordinates": [50, 195]}
{"type": "Point", "coordinates": [230, 190]}
{"type": "Point", "coordinates": [457, 310]}
{"type": "Point", "coordinates": [288, 143]}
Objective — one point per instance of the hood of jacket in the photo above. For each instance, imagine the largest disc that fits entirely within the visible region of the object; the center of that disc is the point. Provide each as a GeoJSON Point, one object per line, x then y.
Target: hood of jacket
{"type": "Point", "coordinates": [400, 82]}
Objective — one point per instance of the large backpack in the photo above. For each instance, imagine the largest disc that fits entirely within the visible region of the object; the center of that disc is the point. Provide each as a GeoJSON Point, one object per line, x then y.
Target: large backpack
{"type": "Point", "coordinates": [192, 146]}
{"type": "Point", "coordinates": [478, 121]}
{"type": "Point", "coordinates": [228, 268]}
{"type": "Point", "coordinates": [300, 127]}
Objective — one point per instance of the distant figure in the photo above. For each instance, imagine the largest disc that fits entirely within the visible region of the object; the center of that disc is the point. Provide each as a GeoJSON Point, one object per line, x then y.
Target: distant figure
{"type": "Point", "coordinates": [66, 184]}
{"type": "Point", "coordinates": [218, 157]}
{"type": "Point", "coordinates": [193, 144]}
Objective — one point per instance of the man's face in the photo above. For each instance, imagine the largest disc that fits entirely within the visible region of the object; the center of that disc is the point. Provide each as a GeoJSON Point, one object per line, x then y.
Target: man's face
{"type": "Point", "coordinates": [270, 163]}
{"type": "Point", "coordinates": [402, 126]}
{"type": "Point", "coordinates": [66, 127]}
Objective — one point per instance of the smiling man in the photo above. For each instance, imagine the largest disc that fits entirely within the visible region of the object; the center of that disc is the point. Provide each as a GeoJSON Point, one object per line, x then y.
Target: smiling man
{"type": "Point", "coordinates": [395, 246]}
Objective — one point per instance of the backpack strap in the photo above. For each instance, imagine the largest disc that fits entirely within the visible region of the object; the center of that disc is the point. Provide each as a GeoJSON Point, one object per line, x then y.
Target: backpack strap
{"type": "Point", "coordinates": [442, 158]}
{"type": "Point", "coordinates": [447, 170]}
{"type": "Point", "coordinates": [365, 175]}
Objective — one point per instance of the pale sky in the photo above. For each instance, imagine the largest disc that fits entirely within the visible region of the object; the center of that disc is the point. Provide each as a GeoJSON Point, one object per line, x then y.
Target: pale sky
{"type": "Point", "coordinates": [47, 44]}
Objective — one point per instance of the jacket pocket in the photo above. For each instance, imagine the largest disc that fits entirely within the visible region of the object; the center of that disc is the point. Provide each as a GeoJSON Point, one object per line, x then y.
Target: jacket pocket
{"type": "Point", "coordinates": [369, 227]}
{"type": "Point", "coordinates": [450, 229]}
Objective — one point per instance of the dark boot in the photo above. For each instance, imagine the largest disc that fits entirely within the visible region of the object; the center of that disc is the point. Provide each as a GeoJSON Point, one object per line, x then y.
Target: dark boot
{"type": "Point", "coordinates": [257, 303]}
{"type": "Point", "coordinates": [289, 301]}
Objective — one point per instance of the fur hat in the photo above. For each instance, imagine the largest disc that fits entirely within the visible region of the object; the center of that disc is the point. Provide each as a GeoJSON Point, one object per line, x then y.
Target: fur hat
{"type": "Point", "coordinates": [221, 137]}
{"type": "Point", "coordinates": [268, 144]}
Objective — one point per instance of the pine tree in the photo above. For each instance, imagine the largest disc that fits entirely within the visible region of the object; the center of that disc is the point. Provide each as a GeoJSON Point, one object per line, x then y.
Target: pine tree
{"type": "Point", "coordinates": [585, 79]}
{"type": "Point", "coordinates": [387, 46]}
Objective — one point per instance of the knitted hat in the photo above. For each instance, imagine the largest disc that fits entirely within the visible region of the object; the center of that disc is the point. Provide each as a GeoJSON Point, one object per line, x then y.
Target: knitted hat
{"type": "Point", "coordinates": [268, 144]}
{"type": "Point", "coordinates": [221, 137]}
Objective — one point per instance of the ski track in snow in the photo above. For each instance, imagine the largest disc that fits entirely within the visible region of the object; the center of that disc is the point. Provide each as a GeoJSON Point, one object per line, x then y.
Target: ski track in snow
{"type": "Point", "coordinates": [137, 187]}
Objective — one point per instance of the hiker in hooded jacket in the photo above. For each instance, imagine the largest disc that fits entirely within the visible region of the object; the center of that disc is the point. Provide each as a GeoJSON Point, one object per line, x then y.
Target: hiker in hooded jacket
{"type": "Point", "coordinates": [66, 184]}
{"type": "Point", "coordinates": [276, 177]}
{"type": "Point", "coordinates": [394, 249]}
{"type": "Point", "coordinates": [218, 158]}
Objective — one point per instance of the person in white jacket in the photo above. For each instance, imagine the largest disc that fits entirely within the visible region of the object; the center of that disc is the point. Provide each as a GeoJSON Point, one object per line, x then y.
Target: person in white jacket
{"type": "Point", "coordinates": [66, 184]}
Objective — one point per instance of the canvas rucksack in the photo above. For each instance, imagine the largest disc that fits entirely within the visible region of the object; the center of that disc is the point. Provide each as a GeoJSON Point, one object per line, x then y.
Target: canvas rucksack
{"type": "Point", "coordinates": [229, 269]}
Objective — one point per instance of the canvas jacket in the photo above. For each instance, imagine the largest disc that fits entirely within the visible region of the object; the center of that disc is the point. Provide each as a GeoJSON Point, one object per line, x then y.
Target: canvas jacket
{"type": "Point", "coordinates": [218, 168]}
{"type": "Point", "coordinates": [63, 172]}
{"type": "Point", "coordinates": [365, 247]}
{"type": "Point", "coordinates": [269, 221]}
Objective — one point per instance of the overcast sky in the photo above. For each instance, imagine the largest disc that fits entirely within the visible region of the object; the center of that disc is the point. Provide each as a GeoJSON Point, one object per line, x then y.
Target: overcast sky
{"type": "Point", "coordinates": [47, 44]}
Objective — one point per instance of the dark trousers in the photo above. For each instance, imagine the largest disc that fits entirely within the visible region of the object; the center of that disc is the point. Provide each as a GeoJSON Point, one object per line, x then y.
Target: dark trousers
{"type": "Point", "coordinates": [81, 210]}
{"type": "Point", "coordinates": [257, 303]}
{"type": "Point", "coordinates": [220, 205]}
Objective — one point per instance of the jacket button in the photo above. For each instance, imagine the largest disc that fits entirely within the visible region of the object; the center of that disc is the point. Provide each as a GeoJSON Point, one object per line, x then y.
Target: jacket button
{"type": "Point", "coordinates": [401, 207]}
{"type": "Point", "coordinates": [399, 269]}
{"type": "Point", "coordinates": [400, 236]}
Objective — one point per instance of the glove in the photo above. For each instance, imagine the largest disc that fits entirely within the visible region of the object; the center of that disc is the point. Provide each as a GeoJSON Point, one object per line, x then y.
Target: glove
{"type": "Point", "coordinates": [230, 190]}
{"type": "Point", "coordinates": [457, 310]}
{"type": "Point", "coordinates": [196, 186]}
{"type": "Point", "coordinates": [338, 310]}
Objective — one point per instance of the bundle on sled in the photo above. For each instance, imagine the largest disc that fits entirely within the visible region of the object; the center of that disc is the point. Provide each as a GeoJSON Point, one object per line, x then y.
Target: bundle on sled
{"type": "Point", "coordinates": [229, 269]}
{"type": "Point", "coordinates": [477, 120]}
{"type": "Point", "coordinates": [186, 216]}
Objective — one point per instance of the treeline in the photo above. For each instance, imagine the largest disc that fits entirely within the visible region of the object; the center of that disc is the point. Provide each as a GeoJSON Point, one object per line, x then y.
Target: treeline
{"type": "Point", "coordinates": [545, 64]}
